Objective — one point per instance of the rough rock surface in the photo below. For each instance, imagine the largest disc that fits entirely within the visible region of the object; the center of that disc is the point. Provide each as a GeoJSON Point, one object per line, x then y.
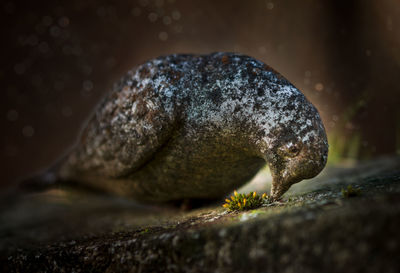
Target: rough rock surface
{"type": "Point", "coordinates": [198, 126]}
{"type": "Point", "coordinates": [314, 229]}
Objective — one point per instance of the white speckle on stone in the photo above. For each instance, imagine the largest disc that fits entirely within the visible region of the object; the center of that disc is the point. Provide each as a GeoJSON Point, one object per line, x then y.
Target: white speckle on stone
{"type": "Point", "coordinates": [247, 216]}
{"type": "Point", "coordinates": [134, 106]}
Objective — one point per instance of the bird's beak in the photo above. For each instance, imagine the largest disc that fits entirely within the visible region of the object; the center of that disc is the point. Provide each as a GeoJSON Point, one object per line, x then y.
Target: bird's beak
{"type": "Point", "coordinates": [281, 185]}
{"type": "Point", "coordinates": [277, 190]}
{"type": "Point", "coordinates": [283, 176]}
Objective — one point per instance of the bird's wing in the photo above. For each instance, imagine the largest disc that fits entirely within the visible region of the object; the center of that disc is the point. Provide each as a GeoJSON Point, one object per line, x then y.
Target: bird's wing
{"type": "Point", "coordinates": [127, 129]}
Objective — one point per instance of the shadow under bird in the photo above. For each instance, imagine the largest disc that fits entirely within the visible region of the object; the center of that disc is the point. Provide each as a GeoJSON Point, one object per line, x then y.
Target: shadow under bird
{"type": "Point", "coordinates": [196, 126]}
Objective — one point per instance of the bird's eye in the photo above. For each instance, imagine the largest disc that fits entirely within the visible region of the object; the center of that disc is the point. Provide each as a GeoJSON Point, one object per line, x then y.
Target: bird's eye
{"type": "Point", "coordinates": [293, 151]}
{"type": "Point", "coordinates": [289, 150]}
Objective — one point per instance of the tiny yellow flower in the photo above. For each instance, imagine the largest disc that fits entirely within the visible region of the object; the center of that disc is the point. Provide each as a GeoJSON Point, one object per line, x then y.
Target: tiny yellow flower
{"type": "Point", "coordinates": [241, 201]}
{"type": "Point", "coordinates": [264, 195]}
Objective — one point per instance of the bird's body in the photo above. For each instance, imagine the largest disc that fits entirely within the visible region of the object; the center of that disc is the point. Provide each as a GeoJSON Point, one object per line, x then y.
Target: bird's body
{"type": "Point", "coordinates": [197, 126]}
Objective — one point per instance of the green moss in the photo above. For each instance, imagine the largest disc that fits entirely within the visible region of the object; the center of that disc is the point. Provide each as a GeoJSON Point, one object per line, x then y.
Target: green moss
{"type": "Point", "coordinates": [144, 231]}
{"type": "Point", "coordinates": [241, 201]}
{"type": "Point", "coordinates": [350, 192]}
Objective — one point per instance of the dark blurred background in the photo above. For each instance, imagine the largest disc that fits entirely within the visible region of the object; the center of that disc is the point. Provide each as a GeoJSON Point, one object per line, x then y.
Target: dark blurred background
{"type": "Point", "coordinates": [59, 57]}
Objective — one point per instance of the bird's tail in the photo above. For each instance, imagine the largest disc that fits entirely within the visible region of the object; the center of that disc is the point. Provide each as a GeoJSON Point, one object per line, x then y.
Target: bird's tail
{"type": "Point", "coordinates": [32, 184]}
{"type": "Point", "coordinates": [39, 182]}
{"type": "Point", "coordinates": [42, 180]}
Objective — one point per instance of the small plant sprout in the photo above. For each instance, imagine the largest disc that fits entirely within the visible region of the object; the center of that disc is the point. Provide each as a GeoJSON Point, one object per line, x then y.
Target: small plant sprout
{"type": "Point", "coordinates": [241, 201]}
{"type": "Point", "coordinates": [350, 192]}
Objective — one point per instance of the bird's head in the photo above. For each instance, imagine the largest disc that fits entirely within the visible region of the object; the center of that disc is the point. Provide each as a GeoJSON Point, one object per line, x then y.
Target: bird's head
{"type": "Point", "coordinates": [297, 154]}
{"type": "Point", "coordinates": [294, 162]}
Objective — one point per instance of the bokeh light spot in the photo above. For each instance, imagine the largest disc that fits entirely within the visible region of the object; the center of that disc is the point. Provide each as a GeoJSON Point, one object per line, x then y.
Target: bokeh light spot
{"type": "Point", "coordinates": [47, 21]}
{"type": "Point", "coordinates": [66, 111]}
{"type": "Point", "coordinates": [319, 87]}
{"type": "Point", "coordinates": [167, 20]}
{"type": "Point", "coordinates": [12, 115]}
{"type": "Point", "coordinates": [176, 15]}
{"type": "Point", "coordinates": [136, 11]}
{"type": "Point", "coordinates": [19, 68]}
{"type": "Point", "coordinates": [163, 36]}
{"type": "Point", "coordinates": [28, 131]}
{"type": "Point", "coordinates": [63, 21]}
{"type": "Point", "coordinates": [153, 17]}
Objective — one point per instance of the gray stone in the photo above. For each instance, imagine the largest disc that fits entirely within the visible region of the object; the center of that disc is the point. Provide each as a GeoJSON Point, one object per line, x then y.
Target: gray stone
{"type": "Point", "coordinates": [197, 126]}
{"type": "Point", "coordinates": [313, 229]}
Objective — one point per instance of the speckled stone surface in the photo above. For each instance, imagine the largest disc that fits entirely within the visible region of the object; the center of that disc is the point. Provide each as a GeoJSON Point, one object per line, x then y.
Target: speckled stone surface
{"type": "Point", "coordinates": [313, 229]}
{"type": "Point", "coordinates": [198, 126]}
